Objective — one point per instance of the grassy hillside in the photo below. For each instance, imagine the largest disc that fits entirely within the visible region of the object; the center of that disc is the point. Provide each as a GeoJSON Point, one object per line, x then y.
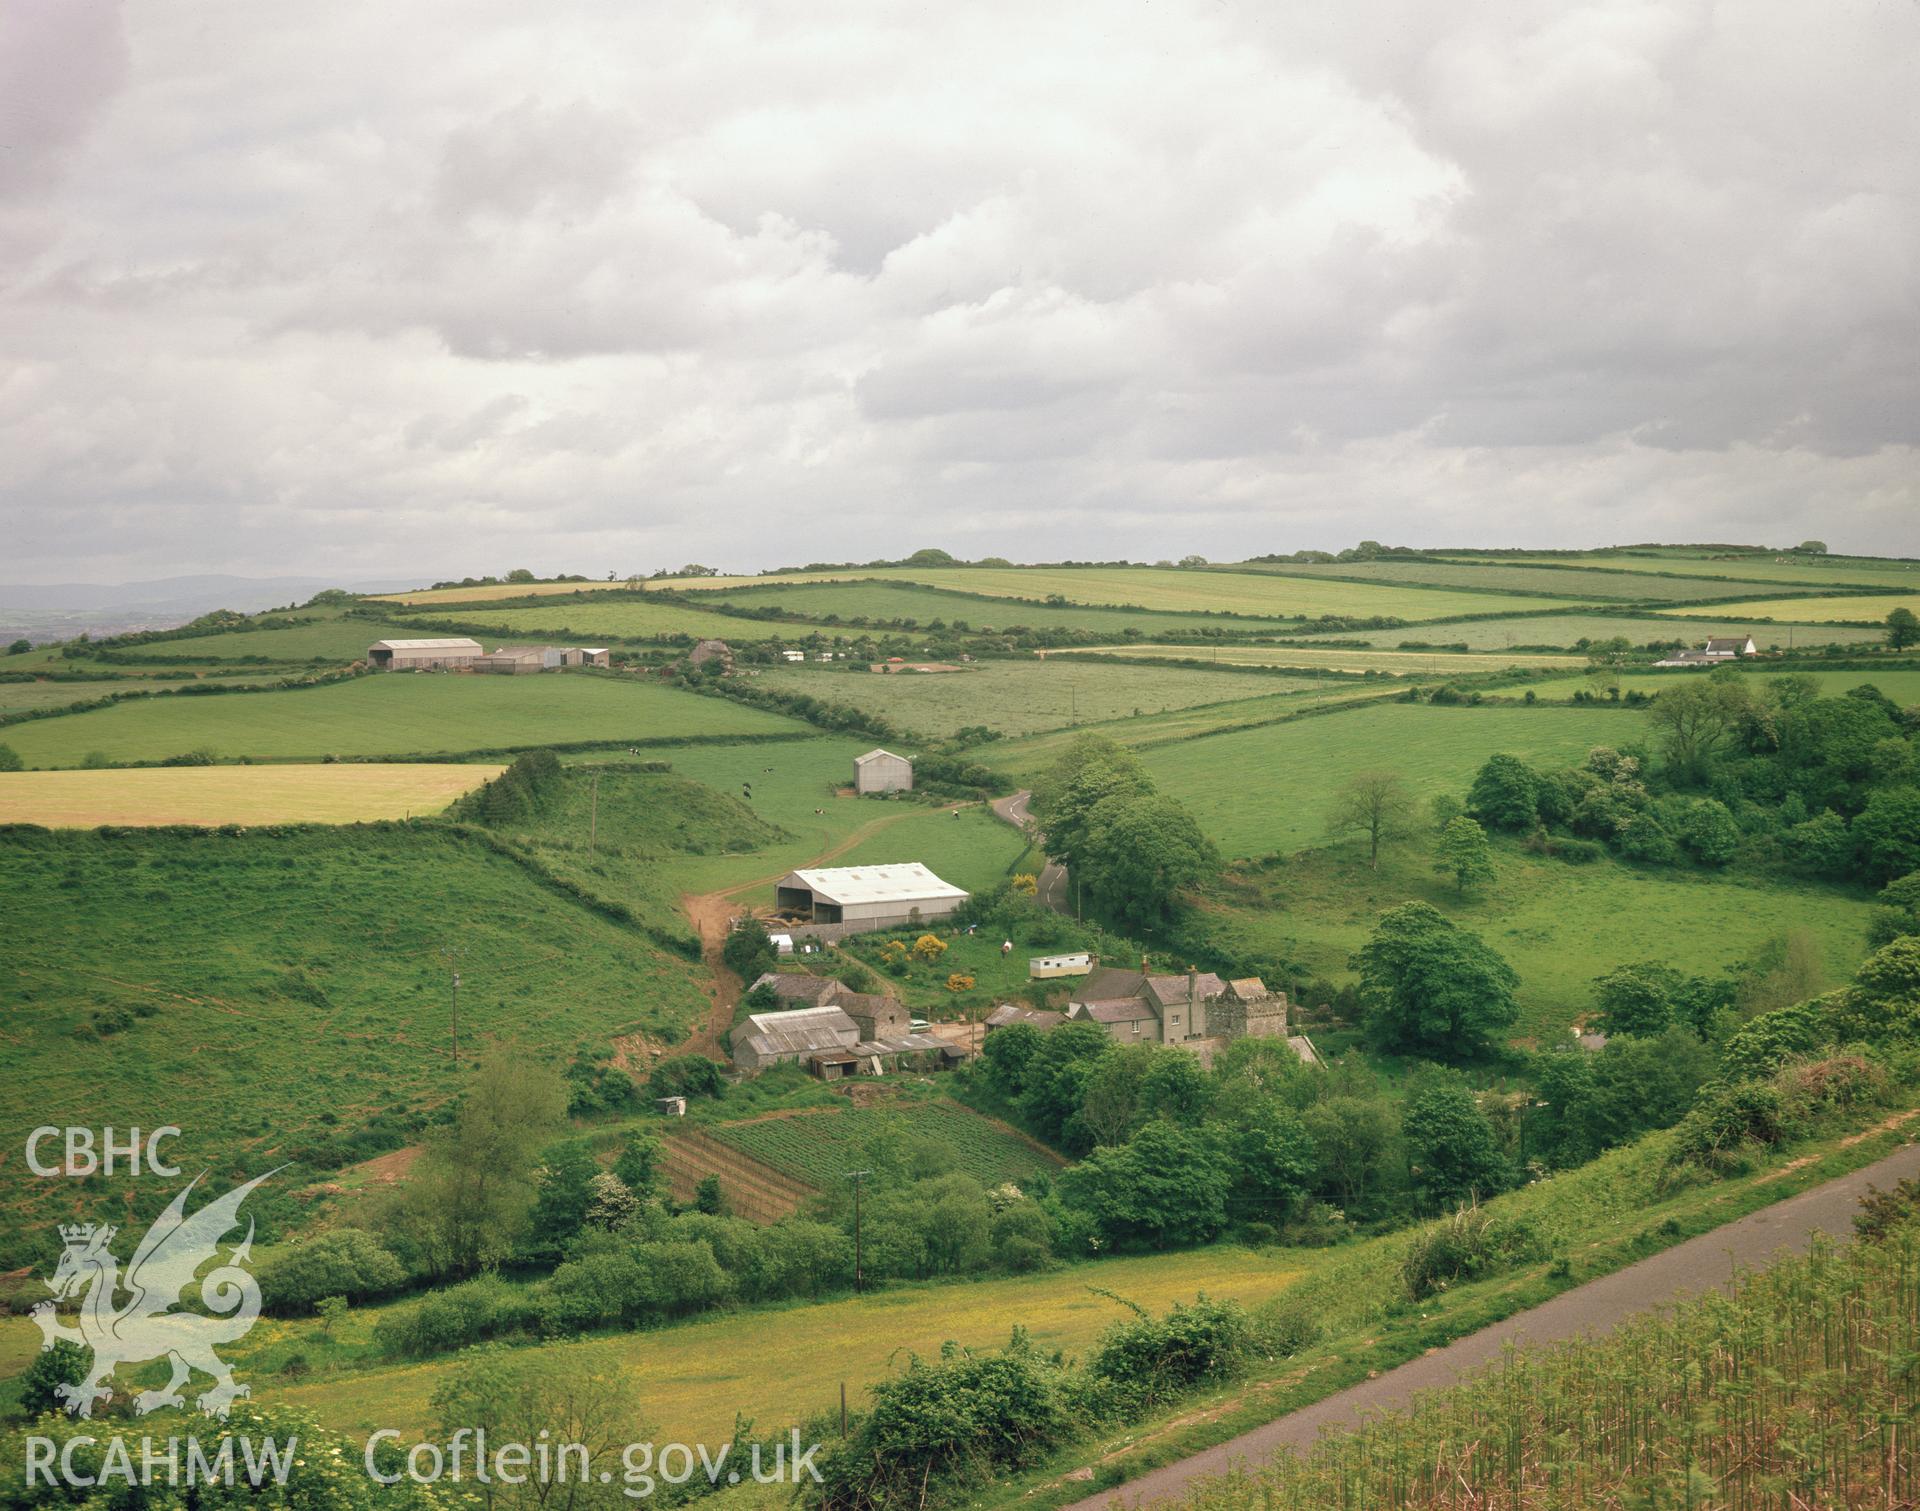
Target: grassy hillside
{"type": "Point", "coordinates": [591, 620]}
{"type": "Point", "coordinates": [1813, 572]}
{"type": "Point", "coordinates": [208, 795]}
{"type": "Point", "coordinates": [274, 995]}
{"type": "Point", "coordinates": [1543, 580]}
{"type": "Point", "coordinates": [1269, 789]}
{"type": "Point", "coordinates": [1869, 608]}
{"type": "Point", "coordinates": [1261, 594]}
{"type": "Point", "coordinates": [1387, 663]}
{"type": "Point", "coordinates": [330, 640]}
{"type": "Point", "coordinates": [793, 786]}
{"type": "Point", "coordinates": [1568, 629]}
{"type": "Point", "coordinates": [391, 714]}
{"type": "Point", "coordinates": [1558, 925]}
{"type": "Point", "coordinates": [1899, 682]}
{"type": "Point", "coordinates": [1023, 697]}
{"type": "Point", "coordinates": [902, 600]}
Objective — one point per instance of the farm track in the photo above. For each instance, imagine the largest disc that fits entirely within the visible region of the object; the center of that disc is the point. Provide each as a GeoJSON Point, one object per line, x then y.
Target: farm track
{"type": "Point", "coordinates": [753, 1190]}
{"type": "Point", "coordinates": [712, 913]}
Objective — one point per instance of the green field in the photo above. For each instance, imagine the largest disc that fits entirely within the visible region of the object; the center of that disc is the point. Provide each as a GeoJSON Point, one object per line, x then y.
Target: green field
{"type": "Point", "coordinates": [1387, 663]}
{"type": "Point", "coordinates": [270, 993]}
{"type": "Point", "coordinates": [628, 619]}
{"type": "Point", "coordinates": [326, 640]}
{"type": "Point", "coordinates": [1255, 593]}
{"type": "Point", "coordinates": [1024, 758]}
{"type": "Point", "coordinates": [21, 695]}
{"type": "Point", "coordinates": [794, 786]}
{"type": "Point", "coordinates": [778, 1368]}
{"type": "Point", "coordinates": [1558, 925]}
{"type": "Point", "coordinates": [1546, 581]}
{"type": "Point", "coordinates": [900, 601]}
{"type": "Point", "coordinates": [214, 795]}
{"type": "Point", "coordinates": [1567, 629]}
{"type": "Point", "coordinates": [391, 714]}
{"type": "Point", "coordinates": [1025, 697]}
{"type": "Point", "coordinates": [1900, 683]}
{"type": "Point", "coordinates": [820, 1148]}
{"type": "Point", "coordinates": [1867, 608]}
{"type": "Point", "coordinates": [1813, 572]}
{"type": "Point", "coordinates": [1268, 790]}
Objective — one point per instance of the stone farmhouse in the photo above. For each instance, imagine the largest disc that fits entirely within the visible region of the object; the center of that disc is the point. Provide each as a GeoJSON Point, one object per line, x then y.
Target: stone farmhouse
{"type": "Point", "coordinates": [1196, 1010]}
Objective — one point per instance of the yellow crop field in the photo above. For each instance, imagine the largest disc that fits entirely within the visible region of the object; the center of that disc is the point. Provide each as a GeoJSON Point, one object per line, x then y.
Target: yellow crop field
{"type": "Point", "coordinates": [1392, 663]}
{"type": "Point", "coordinates": [692, 1379]}
{"type": "Point", "coordinates": [214, 795]}
{"type": "Point", "coordinates": [1866, 608]}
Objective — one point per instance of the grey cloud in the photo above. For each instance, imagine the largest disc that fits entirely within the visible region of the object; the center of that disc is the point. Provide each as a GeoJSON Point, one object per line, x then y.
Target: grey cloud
{"type": "Point", "coordinates": [638, 285]}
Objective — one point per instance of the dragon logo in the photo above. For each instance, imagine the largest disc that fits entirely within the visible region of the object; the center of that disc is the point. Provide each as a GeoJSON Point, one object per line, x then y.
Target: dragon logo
{"type": "Point", "coordinates": [163, 1267]}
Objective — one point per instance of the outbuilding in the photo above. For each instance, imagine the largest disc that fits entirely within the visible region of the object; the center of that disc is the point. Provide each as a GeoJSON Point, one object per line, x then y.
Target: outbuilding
{"type": "Point", "coordinates": [882, 771]}
{"type": "Point", "coordinates": [877, 897]}
{"type": "Point", "coordinates": [423, 655]}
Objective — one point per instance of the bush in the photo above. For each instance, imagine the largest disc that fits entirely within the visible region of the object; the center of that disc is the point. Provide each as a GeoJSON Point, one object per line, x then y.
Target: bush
{"type": "Point", "coordinates": [686, 1076]}
{"type": "Point", "coordinates": [1727, 1120]}
{"type": "Point", "coordinates": [1148, 1360]}
{"type": "Point", "coordinates": [468, 1313]}
{"type": "Point", "coordinates": [63, 1364]}
{"type": "Point", "coordinates": [345, 1262]}
{"type": "Point", "coordinates": [1468, 1244]}
{"type": "Point", "coordinates": [968, 1417]}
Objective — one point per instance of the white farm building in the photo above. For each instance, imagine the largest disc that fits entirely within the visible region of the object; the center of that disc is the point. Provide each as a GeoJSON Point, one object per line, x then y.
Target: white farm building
{"type": "Point", "coordinates": [880, 897]}
{"type": "Point", "coordinates": [420, 655]}
{"type": "Point", "coordinates": [882, 771]}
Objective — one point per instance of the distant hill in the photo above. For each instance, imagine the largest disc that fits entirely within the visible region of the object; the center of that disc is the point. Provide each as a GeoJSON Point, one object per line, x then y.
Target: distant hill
{"type": "Point", "coordinates": [55, 611]}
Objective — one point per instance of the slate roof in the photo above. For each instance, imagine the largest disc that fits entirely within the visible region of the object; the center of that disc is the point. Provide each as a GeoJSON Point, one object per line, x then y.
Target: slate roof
{"type": "Point", "coordinates": [1249, 988]}
{"type": "Point", "coordinates": [791, 988]}
{"type": "Point", "coordinates": [1123, 1010]}
{"type": "Point", "coordinates": [798, 1032]}
{"type": "Point", "coordinates": [1171, 991]}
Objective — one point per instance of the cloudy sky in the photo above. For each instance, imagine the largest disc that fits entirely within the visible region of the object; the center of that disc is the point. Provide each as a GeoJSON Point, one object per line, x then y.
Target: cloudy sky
{"type": "Point", "coordinates": [606, 285]}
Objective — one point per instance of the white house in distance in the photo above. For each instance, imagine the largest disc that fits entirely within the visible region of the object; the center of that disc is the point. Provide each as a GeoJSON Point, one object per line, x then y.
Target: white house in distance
{"type": "Point", "coordinates": [879, 897]}
{"type": "Point", "coordinates": [882, 771]}
{"type": "Point", "coordinates": [1718, 650]}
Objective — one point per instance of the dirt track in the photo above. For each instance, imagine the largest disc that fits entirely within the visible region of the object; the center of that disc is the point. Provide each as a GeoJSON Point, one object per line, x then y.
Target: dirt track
{"type": "Point", "coordinates": [1700, 1264]}
{"type": "Point", "coordinates": [711, 913]}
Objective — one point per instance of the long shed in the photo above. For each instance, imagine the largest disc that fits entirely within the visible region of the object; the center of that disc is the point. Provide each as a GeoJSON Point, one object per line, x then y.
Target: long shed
{"type": "Point", "coordinates": [880, 896]}
{"type": "Point", "coordinates": [418, 655]}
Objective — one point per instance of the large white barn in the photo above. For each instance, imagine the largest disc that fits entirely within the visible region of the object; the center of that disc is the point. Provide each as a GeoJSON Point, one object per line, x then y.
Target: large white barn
{"type": "Point", "coordinates": [879, 896]}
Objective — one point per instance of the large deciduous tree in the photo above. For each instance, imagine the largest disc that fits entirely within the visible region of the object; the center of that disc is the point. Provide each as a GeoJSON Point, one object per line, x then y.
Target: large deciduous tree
{"type": "Point", "coordinates": [1375, 804]}
{"type": "Point", "coordinates": [1431, 988]}
{"type": "Point", "coordinates": [1505, 793]}
{"type": "Point", "coordinates": [1463, 853]}
{"type": "Point", "coordinates": [1699, 719]}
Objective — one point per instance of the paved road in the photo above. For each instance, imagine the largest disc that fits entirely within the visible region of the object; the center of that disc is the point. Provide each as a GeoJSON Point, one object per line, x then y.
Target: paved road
{"type": "Point", "coordinates": [1699, 1264]}
{"type": "Point", "coordinates": [1052, 879]}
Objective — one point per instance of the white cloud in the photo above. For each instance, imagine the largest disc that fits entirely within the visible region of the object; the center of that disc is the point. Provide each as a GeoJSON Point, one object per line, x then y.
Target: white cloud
{"type": "Point", "coordinates": [610, 287]}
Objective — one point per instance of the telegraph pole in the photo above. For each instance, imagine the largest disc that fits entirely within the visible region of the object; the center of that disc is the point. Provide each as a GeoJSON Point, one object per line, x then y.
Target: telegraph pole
{"type": "Point", "coordinates": [859, 1273]}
